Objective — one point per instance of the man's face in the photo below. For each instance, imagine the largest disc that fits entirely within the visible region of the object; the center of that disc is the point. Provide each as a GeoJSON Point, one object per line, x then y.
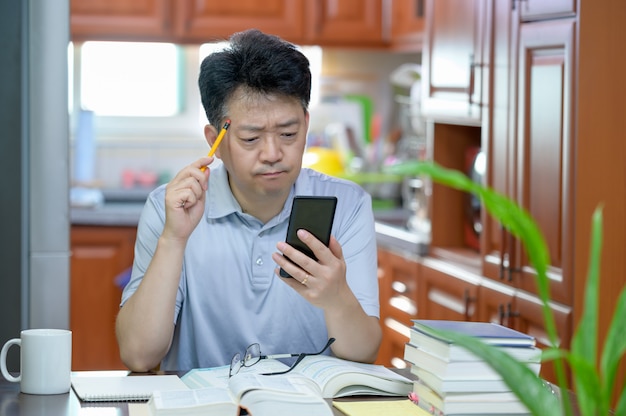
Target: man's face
{"type": "Point", "coordinates": [264, 145]}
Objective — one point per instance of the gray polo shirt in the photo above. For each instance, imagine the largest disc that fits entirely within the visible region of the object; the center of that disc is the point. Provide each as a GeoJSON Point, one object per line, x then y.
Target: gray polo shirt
{"type": "Point", "coordinates": [229, 296]}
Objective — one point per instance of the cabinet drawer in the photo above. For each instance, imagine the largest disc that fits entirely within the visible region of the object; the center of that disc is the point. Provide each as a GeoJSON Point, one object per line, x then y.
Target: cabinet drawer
{"type": "Point", "coordinates": [402, 287]}
{"type": "Point", "coordinates": [445, 294]}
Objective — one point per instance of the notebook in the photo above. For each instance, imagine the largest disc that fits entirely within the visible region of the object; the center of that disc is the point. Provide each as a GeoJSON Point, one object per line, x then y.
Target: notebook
{"type": "Point", "coordinates": [107, 388]}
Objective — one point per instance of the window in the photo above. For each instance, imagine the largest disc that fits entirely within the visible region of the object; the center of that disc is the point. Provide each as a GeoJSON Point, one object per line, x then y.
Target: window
{"type": "Point", "coordinates": [146, 89]}
{"type": "Point", "coordinates": [130, 79]}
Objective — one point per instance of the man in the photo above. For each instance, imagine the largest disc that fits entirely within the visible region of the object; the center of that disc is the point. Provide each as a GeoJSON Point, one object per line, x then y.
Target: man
{"type": "Point", "coordinates": [205, 280]}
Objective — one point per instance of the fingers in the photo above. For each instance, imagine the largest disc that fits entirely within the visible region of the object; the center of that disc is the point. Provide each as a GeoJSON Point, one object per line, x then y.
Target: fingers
{"type": "Point", "coordinates": [303, 268]}
{"type": "Point", "coordinates": [189, 185]}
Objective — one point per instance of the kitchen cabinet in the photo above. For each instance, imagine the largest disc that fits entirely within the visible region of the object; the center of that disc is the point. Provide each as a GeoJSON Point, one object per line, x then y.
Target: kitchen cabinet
{"type": "Point", "coordinates": [453, 60]}
{"type": "Point", "coordinates": [545, 143]}
{"type": "Point", "coordinates": [344, 23]}
{"type": "Point", "coordinates": [183, 21]}
{"type": "Point", "coordinates": [398, 280]}
{"type": "Point", "coordinates": [521, 311]}
{"type": "Point", "coordinates": [120, 19]}
{"type": "Point", "coordinates": [533, 161]}
{"type": "Point", "coordinates": [407, 24]}
{"type": "Point", "coordinates": [446, 293]}
{"type": "Point", "coordinates": [201, 21]}
{"type": "Point", "coordinates": [99, 255]}
{"type": "Point", "coordinates": [549, 127]}
{"type": "Point", "coordinates": [341, 23]}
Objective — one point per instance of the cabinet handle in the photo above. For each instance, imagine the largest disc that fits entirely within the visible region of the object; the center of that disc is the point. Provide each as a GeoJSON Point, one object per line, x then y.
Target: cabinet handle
{"type": "Point", "coordinates": [501, 314]}
{"type": "Point", "coordinates": [467, 301]}
{"type": "Point", "coordinates": [510, 313]}
{"type": "Point", "coordinates": [511, 259]}
{"type": "Point", "coordinates": [470, 93]}
{"type": "Point", "coordinates": [506, 256]}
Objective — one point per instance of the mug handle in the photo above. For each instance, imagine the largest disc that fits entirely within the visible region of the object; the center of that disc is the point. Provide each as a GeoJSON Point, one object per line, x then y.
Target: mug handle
{"type": "Point", "coordinates": [3, 360]}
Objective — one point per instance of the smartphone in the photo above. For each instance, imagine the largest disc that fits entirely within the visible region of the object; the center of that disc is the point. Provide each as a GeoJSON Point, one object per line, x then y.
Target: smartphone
{"type": "Point", "coordinates": [314, 214]}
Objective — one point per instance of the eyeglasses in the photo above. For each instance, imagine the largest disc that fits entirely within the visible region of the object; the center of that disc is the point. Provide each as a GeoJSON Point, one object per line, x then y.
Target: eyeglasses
{"type": "Point", "coordinates": [253, 355]}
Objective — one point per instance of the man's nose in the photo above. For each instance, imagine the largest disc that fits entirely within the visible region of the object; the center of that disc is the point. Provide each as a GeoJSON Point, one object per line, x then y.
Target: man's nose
{"type": "Point", "coordinates": [271, 151]}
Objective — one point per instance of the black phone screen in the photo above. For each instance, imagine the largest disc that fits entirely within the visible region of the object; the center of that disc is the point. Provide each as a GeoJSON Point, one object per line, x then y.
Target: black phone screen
{"type": "Point", "coordinates": [314, 214]}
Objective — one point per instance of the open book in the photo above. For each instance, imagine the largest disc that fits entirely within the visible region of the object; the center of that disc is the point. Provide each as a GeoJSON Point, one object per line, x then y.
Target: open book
{"type": "Point", "coordinates": [259, 395]}
{"type": "Point", "coordinates": [335, 377]}
{"type": "Point", "coordinates": [302, 391]}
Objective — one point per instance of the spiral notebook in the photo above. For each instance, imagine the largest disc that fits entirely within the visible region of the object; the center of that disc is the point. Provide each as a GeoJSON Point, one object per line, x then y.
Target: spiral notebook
{"type": "Point", "coordinates": [126, 388]}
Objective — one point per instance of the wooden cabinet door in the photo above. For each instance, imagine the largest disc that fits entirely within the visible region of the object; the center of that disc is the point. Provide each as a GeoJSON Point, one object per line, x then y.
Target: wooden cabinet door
{"type": "Point", "coordinates": [545, 146]}
{"type": "Point", "coordinates": [99, 255]}
{"type": "Point", "coordinates": [542, 9]}
{"type": "Point", "coordinates": [452, 60]}
{"type": "Point", "coordinates": [398, 277]}
{"type": "Point", "coordinates": [210, 20]}
{"type": "Point", "coordinates": [344, 22]}
{"type": "Point", "coordinates": [528, 316]}
{"type": "Point", "coordinates": [407, 24]}
{"type": "Point", "coordinates": [497, 303]}
{"type": "Point", "coordinates": [120, 19]}
{"type": "Point", "coordinates": [446, 294]}
{"type": "Point", "coordinates": [499, 137]}
{"type": "Point", "coordinates": [518, 310]}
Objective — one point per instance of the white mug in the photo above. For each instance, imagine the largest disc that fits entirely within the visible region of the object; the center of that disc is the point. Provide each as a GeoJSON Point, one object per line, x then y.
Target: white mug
{"type": "Point", "coordinates": [45, 361]}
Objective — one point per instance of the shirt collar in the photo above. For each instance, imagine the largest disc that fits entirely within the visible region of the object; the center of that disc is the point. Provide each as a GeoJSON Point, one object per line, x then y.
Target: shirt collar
{"type": "Point", "coordinates": [221, 201]}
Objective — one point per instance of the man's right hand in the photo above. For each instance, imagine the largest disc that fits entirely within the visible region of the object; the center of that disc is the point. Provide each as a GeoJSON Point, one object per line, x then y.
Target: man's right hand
{"type": "Point", "coordinates": [184, 199]}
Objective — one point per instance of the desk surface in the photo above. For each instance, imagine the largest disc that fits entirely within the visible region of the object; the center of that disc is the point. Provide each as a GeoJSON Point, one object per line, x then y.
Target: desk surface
{"type": "Point", "coordinates": [14, 403]}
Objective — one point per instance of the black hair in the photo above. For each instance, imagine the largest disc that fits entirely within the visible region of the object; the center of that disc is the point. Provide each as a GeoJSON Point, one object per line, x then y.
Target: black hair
{"type": "Point", "coordinates": [258, 62]}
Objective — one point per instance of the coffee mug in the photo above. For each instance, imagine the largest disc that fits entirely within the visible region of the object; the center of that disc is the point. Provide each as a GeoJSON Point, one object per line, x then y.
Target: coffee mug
{"type": "Point", "coordinates": [45, 361]}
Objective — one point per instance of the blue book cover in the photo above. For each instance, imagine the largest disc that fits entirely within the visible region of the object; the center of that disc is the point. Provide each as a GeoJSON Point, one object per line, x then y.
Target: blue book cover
{"type": "Point", "coordinates": [488, 332]}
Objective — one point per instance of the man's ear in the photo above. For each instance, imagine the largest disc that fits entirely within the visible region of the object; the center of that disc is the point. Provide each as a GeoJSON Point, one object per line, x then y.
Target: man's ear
{"type": "Point", "coordinates": [210, 134]}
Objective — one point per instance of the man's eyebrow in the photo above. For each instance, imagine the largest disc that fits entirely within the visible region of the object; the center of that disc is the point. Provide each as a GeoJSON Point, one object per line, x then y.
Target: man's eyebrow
{"type": "Point", "coordinates": [284, 124]}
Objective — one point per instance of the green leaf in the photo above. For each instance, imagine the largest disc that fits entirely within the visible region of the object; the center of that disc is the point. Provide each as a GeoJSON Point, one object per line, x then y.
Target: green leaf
{"type": "Point", "coordinates": [584, 341]}
{"type": "Point", "coordinates": [614, 349]}
{"type": "Point", "coordinates": [588, 386]}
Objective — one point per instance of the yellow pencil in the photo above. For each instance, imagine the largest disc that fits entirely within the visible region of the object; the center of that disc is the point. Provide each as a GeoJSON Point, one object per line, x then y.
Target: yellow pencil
{"type": "Point", "coordinates": [217, 141]}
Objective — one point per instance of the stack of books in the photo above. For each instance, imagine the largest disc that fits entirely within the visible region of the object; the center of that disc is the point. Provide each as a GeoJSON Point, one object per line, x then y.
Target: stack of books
{"type": "Point", "coordinates": [453, 381]}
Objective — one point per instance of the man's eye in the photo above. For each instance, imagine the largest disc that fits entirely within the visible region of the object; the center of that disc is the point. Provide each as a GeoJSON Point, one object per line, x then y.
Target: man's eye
{"type": "Point", "coordinates": [249, 139]}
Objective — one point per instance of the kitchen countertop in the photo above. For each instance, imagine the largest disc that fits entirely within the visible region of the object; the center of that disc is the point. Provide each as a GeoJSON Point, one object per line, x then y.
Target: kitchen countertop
{"type": "Point", "coordinates": [122, 208]}
{"type": "Point", "coordinates": [392, 232]}
{"type": "Point", "coordinates": [112, 214]}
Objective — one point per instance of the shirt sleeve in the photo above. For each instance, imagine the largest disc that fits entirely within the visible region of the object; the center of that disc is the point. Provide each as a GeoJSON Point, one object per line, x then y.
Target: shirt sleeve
{"type": "Point", "coordinates": [357, 235]}
{"type": "Point", "coordinates": [149, 229]}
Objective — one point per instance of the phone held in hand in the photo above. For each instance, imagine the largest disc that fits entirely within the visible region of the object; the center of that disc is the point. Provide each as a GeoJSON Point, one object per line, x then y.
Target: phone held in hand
{"type": "Point", "coordinates": [314, 214]}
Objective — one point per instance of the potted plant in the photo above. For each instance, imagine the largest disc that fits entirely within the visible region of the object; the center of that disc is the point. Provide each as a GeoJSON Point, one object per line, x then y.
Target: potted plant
{"type": "Point", "coordinates": [593, 380]}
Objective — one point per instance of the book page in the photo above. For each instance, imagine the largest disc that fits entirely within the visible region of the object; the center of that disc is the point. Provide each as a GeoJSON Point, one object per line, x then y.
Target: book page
{"type": "Point", "coordinates": [332, 374]}
{"type": "Point", "coordinates": [286, 384]}
{"type": "Point", "coordinates": [212, 400]}
{"type": "Point", "coordinates": [175, 399]}
{"type": "Point", "coordinates": [218, 376]}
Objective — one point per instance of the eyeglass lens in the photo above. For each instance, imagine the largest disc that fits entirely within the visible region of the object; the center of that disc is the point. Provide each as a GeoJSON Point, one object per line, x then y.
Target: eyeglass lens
{"type": "Point", "coordinates": [253, 356]}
